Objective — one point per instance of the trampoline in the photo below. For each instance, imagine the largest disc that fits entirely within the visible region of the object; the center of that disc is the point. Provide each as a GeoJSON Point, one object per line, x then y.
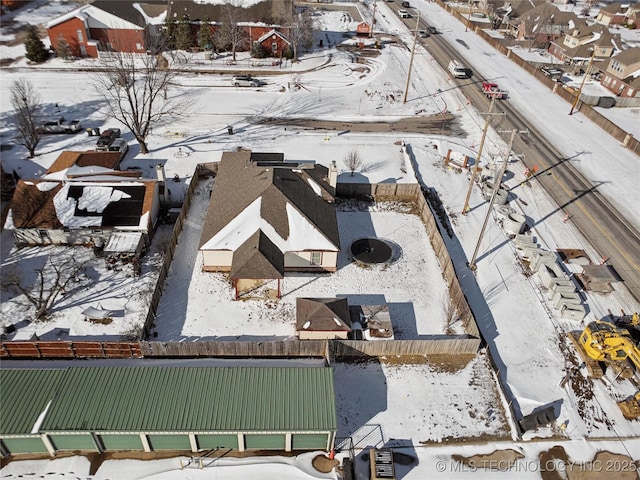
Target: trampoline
{"type": "Point", "coordinates": [371, 251]}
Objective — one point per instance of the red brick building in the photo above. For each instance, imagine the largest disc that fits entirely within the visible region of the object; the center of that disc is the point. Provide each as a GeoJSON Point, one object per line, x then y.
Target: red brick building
{"type": "Point", "coordinates": [89, 29]}
{"type": "Point", "coordinates": [273, 42]}
{"type": "Point", "coordinates": [108, 25]}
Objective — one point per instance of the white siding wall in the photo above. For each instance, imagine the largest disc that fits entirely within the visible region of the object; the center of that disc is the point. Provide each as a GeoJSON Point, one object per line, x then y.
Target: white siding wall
{"type": "Point", "coordinates": [217, 259]}
{"type": "Point", "coordinates": [303, 260]}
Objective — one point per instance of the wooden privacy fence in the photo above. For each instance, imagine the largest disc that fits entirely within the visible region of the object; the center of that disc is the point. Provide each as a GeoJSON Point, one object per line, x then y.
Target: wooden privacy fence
{"type": "Point", "coordinates": [437, 345]}
{"type": "Point", "coordinates": [69, 349]}
{"type": "Point", "coordinates": [379, 191]}
{"type": "Point", "coordinates": [237, 349]}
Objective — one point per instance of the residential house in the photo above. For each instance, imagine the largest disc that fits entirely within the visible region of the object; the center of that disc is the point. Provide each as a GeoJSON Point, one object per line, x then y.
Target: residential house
{"type": "Point", "coordinates": [267, 217]}
{"type": "Point", "coordinates": [273, 43]}
{"type": "Point", "coordinates": [104, 26]}
{"type": "Point", "coordinates": [132, 27]}
{"type": "Point", "coordinates": [322, 318]}
{"type": "Point", "coordinates": [612, 14]}
{"type": "Point", "coordinates": [622, 74]}
{"type": "Point", "coordinates": [83, 200]}
{"type": "Point", "coordinates": [580, 43]}
{"type": "Point", "coordinates": [544, 24]}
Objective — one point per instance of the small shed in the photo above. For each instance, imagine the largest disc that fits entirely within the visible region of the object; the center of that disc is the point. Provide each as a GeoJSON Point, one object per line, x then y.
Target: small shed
{"type": "Point", "coordinates": [319, 318]}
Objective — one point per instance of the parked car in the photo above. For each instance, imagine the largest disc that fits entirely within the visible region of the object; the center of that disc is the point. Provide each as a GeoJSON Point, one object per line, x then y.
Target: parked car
{"type": "Point", "coordinates": [554, 73]}
{"type": "Point", "coordinates": [423, 33]}
{"type": "Point", "coordinates": [244, 81]}
{"type": "Point", "coordinates": [59, 126]}
{"type": "Point", "coordinates": [432, 30]}
{"type": "Point", "coordinates": [406, 4]}
{"type": "Point", "coordinates": [106, 138]}
{"type": "Point", "coordinates": [404, 14]}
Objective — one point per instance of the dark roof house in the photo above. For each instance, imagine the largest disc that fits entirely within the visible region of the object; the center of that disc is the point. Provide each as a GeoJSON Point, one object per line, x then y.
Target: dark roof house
{"type": "Point", "coordinates": [318, 318]}
{"type": "Point", "coordinates": [267, 216]}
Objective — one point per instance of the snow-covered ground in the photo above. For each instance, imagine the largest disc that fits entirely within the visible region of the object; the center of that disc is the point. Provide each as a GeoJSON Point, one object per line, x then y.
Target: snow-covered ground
{"type": "Point", "coordinates": [410, 403]}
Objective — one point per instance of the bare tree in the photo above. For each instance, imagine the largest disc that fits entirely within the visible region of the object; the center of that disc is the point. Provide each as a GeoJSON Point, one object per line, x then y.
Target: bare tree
{"type": "Point", "coordinates": [229, 34]}
{"type": "Point", "coordinates": [139, 91]}
{"type": "Point", "coordinates": [26, 102]}
{"type": "Point", "coordinates": [300, 31]}
{"type": "Point", "coordinates": [450, 314]}
{"type": "Point", "coordinates": [52, 280]}
{"type": "Point", "coordinates": [353, 161]}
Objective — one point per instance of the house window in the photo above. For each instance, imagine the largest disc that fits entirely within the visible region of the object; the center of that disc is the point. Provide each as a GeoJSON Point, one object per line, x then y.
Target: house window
{"type": "Point", "coordinates": [274, 47]}
{"type": "Point", "coordinates": [316, 258]}
{"type": "Point", "coordinates": [80, 36]}
{"type": "Point", "coordinates": [615, 66]}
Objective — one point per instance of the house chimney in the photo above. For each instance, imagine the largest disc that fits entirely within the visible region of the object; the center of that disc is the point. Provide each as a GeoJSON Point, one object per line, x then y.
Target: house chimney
{"type": "Point", "coordinates": [160, 174]}
{"type": "Point", "coordinates": [333, 174]}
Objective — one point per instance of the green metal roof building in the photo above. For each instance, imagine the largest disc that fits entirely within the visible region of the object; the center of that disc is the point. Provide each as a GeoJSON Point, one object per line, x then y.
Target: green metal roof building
{"type": "Point", "coordinates": [166, 408]}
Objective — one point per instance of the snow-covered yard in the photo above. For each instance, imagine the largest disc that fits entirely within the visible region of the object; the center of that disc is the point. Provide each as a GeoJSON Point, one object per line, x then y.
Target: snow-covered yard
{"type": "Point", "coordinates": [410, 404]}
{"type": "Point", "coordinates": [200, 305]}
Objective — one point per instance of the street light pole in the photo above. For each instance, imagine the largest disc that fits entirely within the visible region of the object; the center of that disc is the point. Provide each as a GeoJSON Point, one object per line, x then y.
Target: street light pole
{"type": "Point", "coordinates": [413, 52]}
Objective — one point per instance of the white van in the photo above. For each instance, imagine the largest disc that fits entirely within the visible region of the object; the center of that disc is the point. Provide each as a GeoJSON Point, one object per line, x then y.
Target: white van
{"type": "Point", "coordinates": [458, 71]}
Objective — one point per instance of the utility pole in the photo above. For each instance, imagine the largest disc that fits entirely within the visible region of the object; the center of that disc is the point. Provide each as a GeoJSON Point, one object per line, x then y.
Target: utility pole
{"type": "Point", "coordinates": [496, 186]}
{"type": "Point", "coordinates": [373, 19]}
{"type": "Point", "coordinates": [413, 51]}
{"type": "Point", "coordinates": [476, 168]}
{"type": "Point", "coordinates": [466, 25]}
{"type": "Point", "coordinates": [584, 79]}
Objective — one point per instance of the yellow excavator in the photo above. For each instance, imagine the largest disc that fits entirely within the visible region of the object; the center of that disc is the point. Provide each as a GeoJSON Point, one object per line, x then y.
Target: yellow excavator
{"type": "Point", "coordinates": [604, 342]}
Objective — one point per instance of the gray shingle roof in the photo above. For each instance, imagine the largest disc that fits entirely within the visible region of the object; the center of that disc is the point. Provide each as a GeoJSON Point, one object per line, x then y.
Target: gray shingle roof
{"type": "Point", "coordinates": [241, 181]}
{"type": "Point", "coordinates": [257, 258]}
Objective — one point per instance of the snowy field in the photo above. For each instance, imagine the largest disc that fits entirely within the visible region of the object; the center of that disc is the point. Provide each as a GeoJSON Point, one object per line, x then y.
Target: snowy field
{"type": "Point", "coordinates": [410, 403]}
